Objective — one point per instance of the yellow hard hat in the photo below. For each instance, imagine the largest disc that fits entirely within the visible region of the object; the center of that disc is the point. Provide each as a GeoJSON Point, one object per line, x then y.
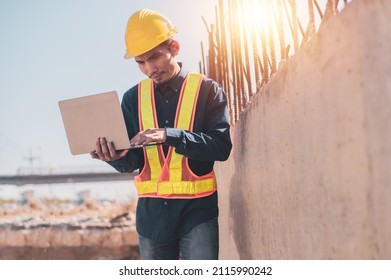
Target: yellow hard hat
{"type": "Point", "coordinates": [145, 30]}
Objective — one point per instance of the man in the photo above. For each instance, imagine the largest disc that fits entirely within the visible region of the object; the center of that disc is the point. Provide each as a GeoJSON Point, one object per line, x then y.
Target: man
{"type": "Point", "coordinates": [182, 122]}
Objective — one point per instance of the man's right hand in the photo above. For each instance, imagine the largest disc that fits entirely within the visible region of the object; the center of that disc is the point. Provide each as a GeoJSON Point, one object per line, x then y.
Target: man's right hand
{"type": "Point", "coordinates": [105, 151]}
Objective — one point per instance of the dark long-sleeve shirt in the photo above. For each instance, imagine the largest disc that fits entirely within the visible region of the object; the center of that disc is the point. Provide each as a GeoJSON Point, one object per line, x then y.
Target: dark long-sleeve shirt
{"type": "Point", "coordinates": [165, 219]}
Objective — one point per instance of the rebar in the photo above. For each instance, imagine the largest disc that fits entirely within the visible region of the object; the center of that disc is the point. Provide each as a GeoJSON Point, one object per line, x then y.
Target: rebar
{"type": "Point", "coordinates": [244, 51]}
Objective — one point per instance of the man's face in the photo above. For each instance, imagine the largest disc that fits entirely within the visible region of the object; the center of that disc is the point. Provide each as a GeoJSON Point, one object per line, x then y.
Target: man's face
{"type": "Point", "coordinates": [159, 64]}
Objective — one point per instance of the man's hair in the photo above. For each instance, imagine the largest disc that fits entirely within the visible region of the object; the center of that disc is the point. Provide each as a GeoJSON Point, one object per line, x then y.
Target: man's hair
{"type": "Point", "coordinates": [167, 42]}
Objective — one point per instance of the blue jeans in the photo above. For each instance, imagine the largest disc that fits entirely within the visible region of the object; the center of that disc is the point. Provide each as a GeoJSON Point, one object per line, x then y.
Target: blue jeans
{"type": "Point", "coordinates": [200, 243]}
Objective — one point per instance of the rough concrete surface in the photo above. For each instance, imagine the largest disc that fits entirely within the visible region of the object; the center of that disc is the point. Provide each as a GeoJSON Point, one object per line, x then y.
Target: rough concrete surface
{"type": "Point", "coordinates": [310, 172]}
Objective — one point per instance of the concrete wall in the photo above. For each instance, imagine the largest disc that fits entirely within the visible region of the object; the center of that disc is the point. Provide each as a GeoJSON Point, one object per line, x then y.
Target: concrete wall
{"type": "Point", "coordinates": [310, 172]}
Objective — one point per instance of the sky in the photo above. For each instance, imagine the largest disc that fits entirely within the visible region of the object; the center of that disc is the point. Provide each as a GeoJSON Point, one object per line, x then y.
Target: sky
{"type": "Point", "coordinates": [56, 50]}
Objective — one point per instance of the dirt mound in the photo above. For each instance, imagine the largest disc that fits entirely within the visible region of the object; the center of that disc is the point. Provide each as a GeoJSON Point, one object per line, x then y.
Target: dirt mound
{"type": "Point", "coordinates": [91, 229]}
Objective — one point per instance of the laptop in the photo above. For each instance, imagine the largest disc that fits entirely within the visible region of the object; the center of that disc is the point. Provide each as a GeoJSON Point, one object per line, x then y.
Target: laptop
{"type": "Point", "coordinates": [89, 117]}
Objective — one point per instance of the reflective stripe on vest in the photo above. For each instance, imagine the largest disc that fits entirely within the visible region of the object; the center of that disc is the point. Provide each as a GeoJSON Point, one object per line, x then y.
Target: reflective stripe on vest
{"type": "Point", "coordinates": [170, 176]}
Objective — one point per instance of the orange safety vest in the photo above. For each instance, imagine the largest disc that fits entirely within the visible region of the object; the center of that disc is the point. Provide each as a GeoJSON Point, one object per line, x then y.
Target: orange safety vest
{"type": "Point", "coordinates": [170, 176]}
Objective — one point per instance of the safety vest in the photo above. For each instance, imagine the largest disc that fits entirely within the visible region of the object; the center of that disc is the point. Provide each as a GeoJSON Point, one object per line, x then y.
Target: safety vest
{"type": "Point", "coordinates": [170, 176]}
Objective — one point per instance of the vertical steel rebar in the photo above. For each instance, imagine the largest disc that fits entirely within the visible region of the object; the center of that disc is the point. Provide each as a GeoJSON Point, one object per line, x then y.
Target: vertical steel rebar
{"type": "Point", "coordinates": [318, 9]}
{"type": "Point", "coordinates": [226, 69]}
{"type": "Point", "coordinates": [294, 25]}
{"type": "Point", "coordinates": [247, 68]}
{"type": "Point", "coordinates": [231, 31]}
{"type": "Point", "coordinates": [280, 30]}
{"type": "Point", "coordinates": [311, 24]}
{"type": "Point", "coordinates": [212, 55]}
{"type": "Point", "coordinates": [203, 59]}
{"type": "Point", "coordinates": [271, 42]}
{"type": "Point", "coordinates": [238, 58]}
{"type": "Point", "coordinates": [288, 18]}
{"type": "Point", "coordinates": [265, 76]}
{"type": "Point", "coordinates": [218, 49]}
{"type": "Point", "coordinates": [235, 44]}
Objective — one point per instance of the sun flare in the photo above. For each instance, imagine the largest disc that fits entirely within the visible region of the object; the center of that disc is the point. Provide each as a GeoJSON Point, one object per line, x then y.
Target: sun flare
{"type": "Point", "coordinates": [257, 15]}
